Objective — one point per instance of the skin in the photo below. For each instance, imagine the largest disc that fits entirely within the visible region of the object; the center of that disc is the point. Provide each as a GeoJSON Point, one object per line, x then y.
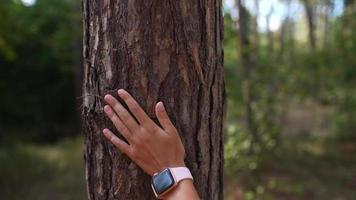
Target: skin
{"type": "Point", "coordinates": [151, 147]}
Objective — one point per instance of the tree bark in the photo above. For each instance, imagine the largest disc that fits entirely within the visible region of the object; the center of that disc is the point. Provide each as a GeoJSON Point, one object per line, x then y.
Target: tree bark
{"type": "Point", "coordinates": [167, 51]}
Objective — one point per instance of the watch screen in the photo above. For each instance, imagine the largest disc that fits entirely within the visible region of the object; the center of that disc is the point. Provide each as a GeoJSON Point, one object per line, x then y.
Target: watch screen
{"type": "Point", "coordinates": [162, 181]}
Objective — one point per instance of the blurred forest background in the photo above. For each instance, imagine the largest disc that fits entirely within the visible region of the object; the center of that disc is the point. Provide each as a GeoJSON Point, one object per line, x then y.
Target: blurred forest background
{"type": "Point", "coordinates": [291, 84]}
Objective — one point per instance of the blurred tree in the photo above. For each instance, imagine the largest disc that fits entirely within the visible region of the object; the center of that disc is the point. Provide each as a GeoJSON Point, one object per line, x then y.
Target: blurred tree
{"type": "Point", "coordinates": [288, 71]}
{"type": "Point", "coordinates": [328, 8]}
{"type": "Point", "coordinates": [249, 65]}
{"type": "Point", "coordinates": [255, 25]}
{"type": "Point", "coordinates": [310, 13]}
{"type": "Point", "coordinates": [38, 60]}
{"type": "Point", "coordinates": [270, 36]}
{"type": "Point", "coordinates": [348, 3]}
{"type": "Point", "coordinates": [345, 45]}
{"type": "Point", "coordinates": [166, 51]}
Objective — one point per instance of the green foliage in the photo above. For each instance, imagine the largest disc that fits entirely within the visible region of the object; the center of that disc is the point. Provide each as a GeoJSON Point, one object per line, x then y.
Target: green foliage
{"type": "Point", "coordinates": [39, 53]}
{"type": "Point", "coordinates": [345, 43]}
{"type": "Point", "coordinates": [300, 169]}
{"type": "Point", "coordinates": [241, 149]}
{"type": "Point", "coordinates": [283, 73]}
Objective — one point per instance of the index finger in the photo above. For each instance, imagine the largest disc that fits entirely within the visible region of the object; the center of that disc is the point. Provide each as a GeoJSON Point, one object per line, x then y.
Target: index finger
{"type": "Point", "coordinates": [136, 109]}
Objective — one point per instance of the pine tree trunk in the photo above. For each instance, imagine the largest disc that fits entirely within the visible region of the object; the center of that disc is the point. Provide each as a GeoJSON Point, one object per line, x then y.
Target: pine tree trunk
{"type": "Point", "coordinates": [166, 51]}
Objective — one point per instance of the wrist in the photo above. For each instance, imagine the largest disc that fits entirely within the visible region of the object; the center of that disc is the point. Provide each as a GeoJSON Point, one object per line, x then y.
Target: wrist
{"type": "Point", "coordinates": [169, 165]}
{"type": "Point", "coordinates": [179, 192]}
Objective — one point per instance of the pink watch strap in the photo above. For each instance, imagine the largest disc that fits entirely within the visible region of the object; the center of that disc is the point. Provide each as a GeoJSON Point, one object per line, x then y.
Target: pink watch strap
{"type": "Point", "coordinates": [181, 173]}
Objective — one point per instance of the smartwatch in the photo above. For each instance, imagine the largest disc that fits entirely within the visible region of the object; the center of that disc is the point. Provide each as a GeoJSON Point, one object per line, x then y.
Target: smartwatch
{"type": "Point", "coordinates": [167, 179]}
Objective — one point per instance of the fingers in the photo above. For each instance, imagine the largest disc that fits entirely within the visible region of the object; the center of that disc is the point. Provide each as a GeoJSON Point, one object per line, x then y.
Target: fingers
{"type": "Point", "coordinates": [122, 113]}
{"type": "Point", "coordinates": [120, 126]}
{"type": "Point", "coordinates": [120, 144]}
{"type": "Point", "coordinates": [136, 109]}
{"type": "Point", "coordinates": [163, 118]}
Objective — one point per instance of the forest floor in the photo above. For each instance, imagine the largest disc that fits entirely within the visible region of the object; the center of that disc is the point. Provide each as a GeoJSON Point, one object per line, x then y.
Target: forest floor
{"type": "Point", "coordinates": [299, 170]}
{"type": "Point", "coordinates": [42, 172]}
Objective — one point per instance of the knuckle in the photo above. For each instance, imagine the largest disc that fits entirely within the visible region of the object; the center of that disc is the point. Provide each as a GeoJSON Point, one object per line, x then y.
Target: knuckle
{"type": "Point", "coordinates": [145, 138]}
{"type": "Point", "coordinates": [120, 129]}
{"type": "Point", "coordinates": [124, 116]}
{"type": "Point", "coordinates": [139, 140]}
{"type": "Point", "coordinates": [126, 135]}
{"type": "Point", "coordinates": [113, 104]}
{"type": "Point", "coordinates": [112, 139]}
{"type": "Point", "coordinates": [133, 104]}
{"type": "Point", "coordinates": [117, 106]}
{"type": "Point", "coordinates": [114, 119]}
{"type": "Point", "coordinates": [117, 109]}
{"type": "Point", "coordinates": [109, 137]}
{"type": "Point", "coordinates": [117, 123]}
{"type": "Point", "coordinates": [134, 153]}
{"type": "Point", "coordinates": [151, 128]}
{"type": "Point", "coordinates": [142, 130]}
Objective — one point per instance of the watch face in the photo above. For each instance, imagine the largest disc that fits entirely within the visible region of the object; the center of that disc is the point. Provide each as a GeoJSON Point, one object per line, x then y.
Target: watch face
{"type": "Point", "coordinates": [162, 181]}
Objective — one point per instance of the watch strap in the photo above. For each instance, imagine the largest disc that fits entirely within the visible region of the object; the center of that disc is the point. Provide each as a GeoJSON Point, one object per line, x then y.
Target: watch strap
{"type": "Point", "coordinates": [181, 173]}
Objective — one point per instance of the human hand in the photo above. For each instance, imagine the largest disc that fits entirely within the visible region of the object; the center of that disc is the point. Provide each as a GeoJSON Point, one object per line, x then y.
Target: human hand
{"type": "Point", "coordinates": [150, 147]}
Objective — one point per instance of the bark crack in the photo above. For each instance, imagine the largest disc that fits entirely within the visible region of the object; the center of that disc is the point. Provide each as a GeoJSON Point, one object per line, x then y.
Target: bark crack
{"type": "Point", "coordinates": [198, 126]}
{"type": "Point", "coordinates": [211, 131]}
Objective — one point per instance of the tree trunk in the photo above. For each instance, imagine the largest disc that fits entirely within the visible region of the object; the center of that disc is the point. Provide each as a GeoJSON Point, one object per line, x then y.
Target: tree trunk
{"type": "Point", "coordinates": [349, 8]}
{"type": "Point", "coordinates": [290, 35]}
{"type": "Point", "coordinates": [255, 24]}
{"type": "Point", "coordinates": [248, 64]}
{"type": "Point", "coordinates": [310, 14]}
{"type": "Point", "coordinates": [167, 51]}
{"type": "Point", "coordinates": [328, 8]}
{"type": "Point", "coordinates": [348, 3]}
{"type": "Point", "coordinates": [270, 37]}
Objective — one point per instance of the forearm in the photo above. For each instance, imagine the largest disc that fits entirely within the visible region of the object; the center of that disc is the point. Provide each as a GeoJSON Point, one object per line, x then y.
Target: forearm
{"type": "Point", "coordinates": [184, 190]}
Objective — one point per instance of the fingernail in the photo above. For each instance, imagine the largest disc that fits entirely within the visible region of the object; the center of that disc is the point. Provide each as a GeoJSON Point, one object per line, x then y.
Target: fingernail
{"type": "Point", "coordinates": [120, 91]}
{"type": "Point", "coordinates": [107, 108]}
{"type": "Point", "coordinates": [107, 97]}
{"type": "Point", "coordinates": [106, 133]}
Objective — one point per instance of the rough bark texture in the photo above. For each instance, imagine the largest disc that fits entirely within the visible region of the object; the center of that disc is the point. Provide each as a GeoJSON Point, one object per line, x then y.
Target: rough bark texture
{"type": "Point", "coordinates": [166, 51]}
